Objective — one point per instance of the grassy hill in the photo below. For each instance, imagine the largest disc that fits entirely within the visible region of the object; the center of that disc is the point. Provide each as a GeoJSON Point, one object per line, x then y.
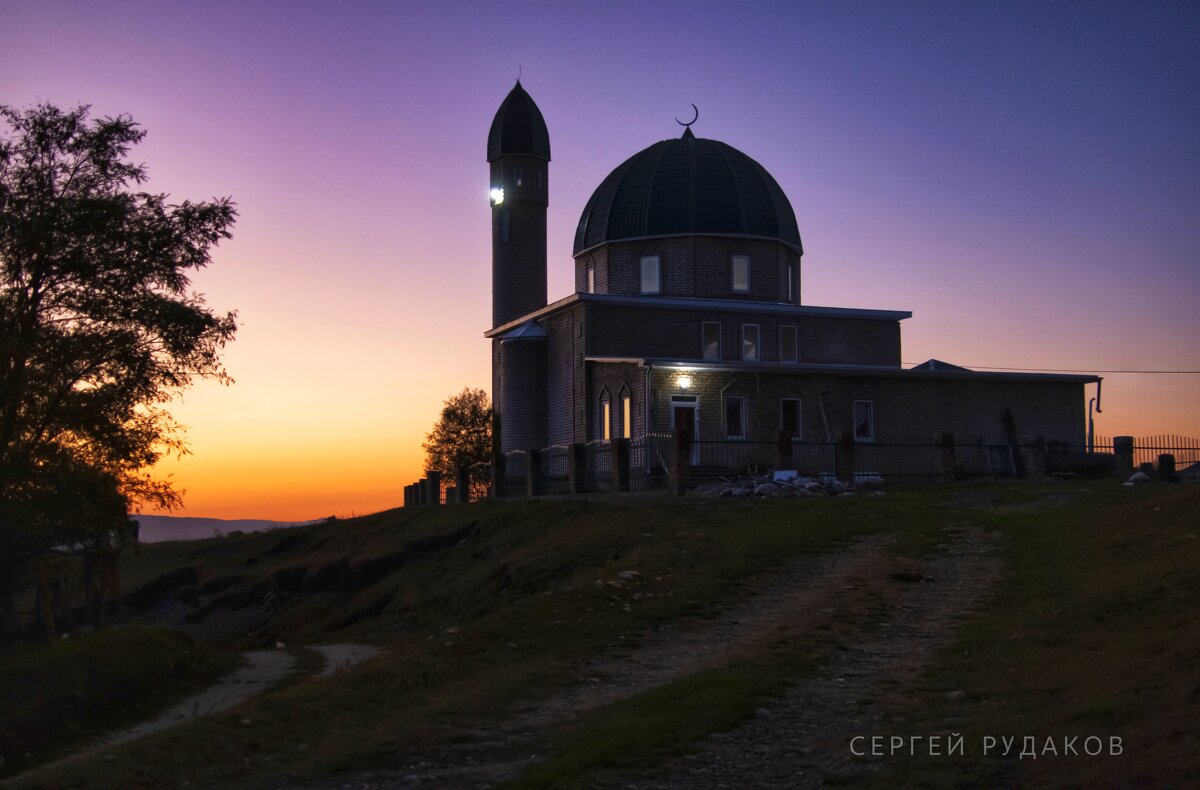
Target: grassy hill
{"type": "Point", "coordinates": [493, 612]}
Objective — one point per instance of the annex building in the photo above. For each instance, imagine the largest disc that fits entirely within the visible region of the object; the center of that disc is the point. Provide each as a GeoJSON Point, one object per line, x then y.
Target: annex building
{"type": "Point", "coordinates": [688, 313]}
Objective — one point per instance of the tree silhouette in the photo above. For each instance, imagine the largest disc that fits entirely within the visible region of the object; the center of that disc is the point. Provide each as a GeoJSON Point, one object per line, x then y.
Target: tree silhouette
{"type": "Point", "coordinates": [462, 436]}
{"type": "Point", "coordinates": [99, 330]}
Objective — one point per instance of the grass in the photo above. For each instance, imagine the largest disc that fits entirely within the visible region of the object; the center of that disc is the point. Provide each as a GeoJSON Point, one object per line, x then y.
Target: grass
{"type": "Point", "coordinates": [487, 606]}
{"type": "Point", "coordinates": [58, 695]}
{"type": "Point", "coordinates": [1095, 631]}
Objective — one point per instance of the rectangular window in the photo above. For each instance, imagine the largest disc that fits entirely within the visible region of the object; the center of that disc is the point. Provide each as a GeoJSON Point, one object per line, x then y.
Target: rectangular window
{"type": "Point", "coordinates": [791, 283]}
{"type": "Point", "coordinates": [741, 273]}
{"type": "Point", "coordinates": [735, 417]}
{"type": "Point", "coordinates": [505, 227]}
{"type": "Point", "coordinates": [517, 176]}
{"type": "Point", "coordinates": [750, 342]}
{"type": "Point", "coordinates": [626, 417]}
{"type": "Point", "coordinates": [651, 281]}
{"type": "Point", "coordinates": [591, 279]}
{"type": "Point", "coordinates": [789, 417]}
{"type": "Point", "coordinates": [606, 421]}
{"type": "Point", "coordinates": [712, 339]}
{"type": "Point", "coordinates": [787, 344]}
{"type": "Point", "coordinates": [864, 421]}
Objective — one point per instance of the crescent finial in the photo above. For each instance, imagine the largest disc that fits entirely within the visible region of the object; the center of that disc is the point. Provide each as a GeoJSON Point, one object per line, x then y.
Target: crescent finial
{"type": "Point", "coordinates": [695, 116]}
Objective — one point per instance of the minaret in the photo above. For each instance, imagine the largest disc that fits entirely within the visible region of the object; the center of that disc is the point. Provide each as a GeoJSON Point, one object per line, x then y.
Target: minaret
{"type": "Point", "coordinates": [518, 156]}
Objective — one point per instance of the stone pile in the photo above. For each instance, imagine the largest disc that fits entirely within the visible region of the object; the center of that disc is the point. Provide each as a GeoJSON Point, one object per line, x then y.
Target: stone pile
{"type": "Point", "coordinates": [789, 484]}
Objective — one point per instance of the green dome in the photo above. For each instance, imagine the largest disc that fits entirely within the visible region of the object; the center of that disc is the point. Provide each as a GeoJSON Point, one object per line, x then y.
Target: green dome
{"type": "Point", "coordinates": [687, 186]}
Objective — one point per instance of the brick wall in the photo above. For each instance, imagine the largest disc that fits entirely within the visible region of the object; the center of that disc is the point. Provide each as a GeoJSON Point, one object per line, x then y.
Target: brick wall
{"type": "Point", "coordinates": [519, 264]}
{"type": "Point", "coordinates": [694, 266]}
{"type": "Point", "coordinates": [906, 410]}
{"type": "Point", "coordinates": [625, 331]}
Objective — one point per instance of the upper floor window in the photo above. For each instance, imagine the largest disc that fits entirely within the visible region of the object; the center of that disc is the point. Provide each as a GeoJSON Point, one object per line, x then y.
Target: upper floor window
{"type": "Point", "coordinates": [750, 347]}
{"type": "Point", "coordinates": [651, 274]}
{"type": "Point", "coordinates": [712, 339]}
{"type": "Point", "coordinates": [864, 421]}
{"type": "Point", "coordinates": [791, 283]}
{"type": "Point", "coordinates": [626, 416]}
{"type": "Point", "coordinates": [505, 227]}
{"type": "Point", "coordinates": [788, 347]}
{"type": "Point", "coordinates": [518, 176]}
{"type": "Point", "coordinates": [591, 278]}
{"type": "Point", "coordinates": [741, 273]}
{"type": "Point", "coordinates": [735, 417]}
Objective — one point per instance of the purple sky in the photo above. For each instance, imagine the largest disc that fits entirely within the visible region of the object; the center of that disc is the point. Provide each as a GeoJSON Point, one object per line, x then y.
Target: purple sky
{"type": "Point", "coordinates": [1024, 177]}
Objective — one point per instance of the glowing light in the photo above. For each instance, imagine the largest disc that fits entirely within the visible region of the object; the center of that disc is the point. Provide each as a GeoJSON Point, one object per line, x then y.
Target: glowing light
{"type": "Point", "coordinates": [497, 195]}
{"type": "Point", "coordinates": [685, 382]}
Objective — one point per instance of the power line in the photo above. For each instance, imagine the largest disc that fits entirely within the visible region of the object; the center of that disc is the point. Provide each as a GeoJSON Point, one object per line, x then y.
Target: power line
{"type": "Point", "coordinates": [1069, 370]}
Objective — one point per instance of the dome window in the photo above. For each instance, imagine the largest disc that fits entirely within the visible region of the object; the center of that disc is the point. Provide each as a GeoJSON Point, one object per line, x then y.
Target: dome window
{"type": "Point", "coordinates": [591, 278]}
{"type": "Point", "coordinates": [651, 274]}
{"type": "Point", "coordinates": [741, 273]}
{"type": "Point", "coordinates": [518, 176]}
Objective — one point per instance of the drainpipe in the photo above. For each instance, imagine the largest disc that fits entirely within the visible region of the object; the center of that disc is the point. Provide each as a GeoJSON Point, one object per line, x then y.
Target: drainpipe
{"type": "Point", "coordinates": [1091, 423]}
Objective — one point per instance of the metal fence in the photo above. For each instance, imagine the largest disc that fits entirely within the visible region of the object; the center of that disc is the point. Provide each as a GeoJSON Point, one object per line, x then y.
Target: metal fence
{"type": "Point", "coordinates": [670, 462]}
{"type": "Point", "coordinates": [650, 461]}
{"type": "Point", "coordinates": [598, 466]}
{"type": "Point", "coordinates": [556, 470]}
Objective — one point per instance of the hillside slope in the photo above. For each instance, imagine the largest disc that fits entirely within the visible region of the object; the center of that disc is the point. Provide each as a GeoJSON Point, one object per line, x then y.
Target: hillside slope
{"type": "Point", "coordinates": [607, 638]}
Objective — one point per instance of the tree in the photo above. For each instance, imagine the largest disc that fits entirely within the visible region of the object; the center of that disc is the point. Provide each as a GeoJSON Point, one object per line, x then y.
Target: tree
{"type": "Point", "coordinates": [99, 330]}
{"type": "Point", "coordinates": [462, 436]}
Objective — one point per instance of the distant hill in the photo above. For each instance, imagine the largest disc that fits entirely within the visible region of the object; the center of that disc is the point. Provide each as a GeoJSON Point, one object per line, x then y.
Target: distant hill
{"type": "Point", "coordinates": [157, 529]}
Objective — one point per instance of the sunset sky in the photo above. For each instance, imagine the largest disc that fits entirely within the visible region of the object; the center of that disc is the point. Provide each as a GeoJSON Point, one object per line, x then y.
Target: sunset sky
{"type": "Point", "coordinates": [1024, 177]}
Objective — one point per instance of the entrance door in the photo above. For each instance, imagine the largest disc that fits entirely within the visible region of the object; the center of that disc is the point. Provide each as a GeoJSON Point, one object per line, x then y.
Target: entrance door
{"type": "Point", "coordinates": [685, 416]}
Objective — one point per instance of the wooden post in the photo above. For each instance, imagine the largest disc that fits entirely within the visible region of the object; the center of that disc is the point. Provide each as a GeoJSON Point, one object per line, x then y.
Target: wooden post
{"type": "Point", "coordinates": [783, 451]}
{"type": "Point", "coordinates": [1166, 466]}
{"type": "Point", "coordinates": [533, 473]}
{"type": "Point", "coordinates": [845, 457]}
{"type": "Point", "coordinates": [1037, 462]}
{"type": "Point", "coordinates": [577, 467]}
{"type": "Point", "coordinates": [949, 457]}
{"type": "Point", "coordinates": [682, 461]}
{"type": "Point", "coordinates": [620, 464]}
{"type": "Point", "coordinates": [435, 487]}
{"type": "Point", "coordinates": [1123, 456]}
{"type": "Point", "coordinates": [497, 474]}
{"type": "Point", "coordinates": [462, 484]}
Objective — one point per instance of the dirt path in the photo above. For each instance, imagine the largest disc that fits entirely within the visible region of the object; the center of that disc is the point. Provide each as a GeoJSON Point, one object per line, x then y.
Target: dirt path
{"type": "Point", "coordinates": [804, 739]}
{"type": "Point", "coordinates": [344, 656]}
{"type": "Point", "coordinates": [263, 670]}
{"type": "Point", "coordinates": [810, 590]}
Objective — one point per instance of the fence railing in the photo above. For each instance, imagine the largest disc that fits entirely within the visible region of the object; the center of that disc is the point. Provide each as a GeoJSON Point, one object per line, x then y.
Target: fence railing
{"type": "Point", "coordinates": [675, 462]}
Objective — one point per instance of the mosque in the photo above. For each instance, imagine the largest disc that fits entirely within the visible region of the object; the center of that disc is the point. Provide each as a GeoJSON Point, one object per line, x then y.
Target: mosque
{"type": "Point", "coordinates": [688, 315]}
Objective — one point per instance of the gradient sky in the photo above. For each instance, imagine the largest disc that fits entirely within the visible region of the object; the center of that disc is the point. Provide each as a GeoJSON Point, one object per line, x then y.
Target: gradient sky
{"type": "Point", "coordinates": [1024, 177]}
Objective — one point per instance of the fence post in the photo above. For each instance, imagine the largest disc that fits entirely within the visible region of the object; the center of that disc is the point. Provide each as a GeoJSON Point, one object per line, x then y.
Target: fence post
{"type": "Point", "coordinates": [533, 473]}
{"type": "Point", "coordinates": [949, 457]}
{"type": "Point", "coordinates": [408, 496]}
{"type": "Point", "coordinates": [1123, 456]}
{"type": "Point", "coordinates": [577, 467]}
{"type": "Point", "coordinates": [435, 487]}
{"type": "Point", "coordinates": [423, 491]}
{"type": "Point", "coordinates": [620, 464]}
{"type": "Point", "coordinates": [1166, 466]}
{"type": "Point", "coordinates": [497, 474]}
{"type": "Point", "coordinates": [783, 451]}
{"type": "Point", "coordinates": [1037, 461]}
{"type": "Point", "coordinates": [681, 461]}
{"type": "Point", "coordinates": [462, 484]}
{"type": "Point", "coordinates": [845, 457]}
